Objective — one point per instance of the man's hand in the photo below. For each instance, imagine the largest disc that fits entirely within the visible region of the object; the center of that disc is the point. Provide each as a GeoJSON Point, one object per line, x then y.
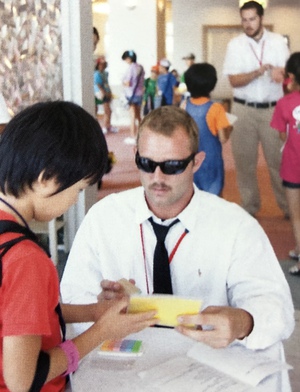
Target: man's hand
{"type": "Point", "coordinates": [225, 324]}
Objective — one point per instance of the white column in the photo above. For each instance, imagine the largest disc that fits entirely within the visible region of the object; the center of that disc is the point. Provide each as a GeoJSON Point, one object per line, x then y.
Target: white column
{"type": "Point", "coordinates": [78, 68]}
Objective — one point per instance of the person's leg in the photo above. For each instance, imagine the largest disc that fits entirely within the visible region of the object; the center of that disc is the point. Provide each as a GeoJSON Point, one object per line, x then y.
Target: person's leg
{"type": "Point", "coordinates": [244, 141]}
{"type": "Point", "coordinates": [137, 117]}
{"type": "Point", "coordinates": [293, 198]}
{"type": "Point", "coordinates": [107, 115]}
{"type": "Point", "coordinates": [271, 145]}
{"type": "Point", "coordinates": [132, 127]}
{"type": "Point", "coordinates": [134, 117]}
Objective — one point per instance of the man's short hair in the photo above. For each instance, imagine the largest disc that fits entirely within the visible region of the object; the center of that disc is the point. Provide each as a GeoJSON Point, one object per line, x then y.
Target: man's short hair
{"type": "Point", "coordinates": [253, 4]}
{"type": "Point", "coordinates": [200, 79]}
{"type": "Point", "coordinates": [59, 139]}
{"type": "Point", "coordinates": [167, 119]}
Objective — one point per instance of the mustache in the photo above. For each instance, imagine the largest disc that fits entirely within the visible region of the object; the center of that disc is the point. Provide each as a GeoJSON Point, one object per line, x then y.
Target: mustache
{"type": "Point", "coordinates": [159, 185]}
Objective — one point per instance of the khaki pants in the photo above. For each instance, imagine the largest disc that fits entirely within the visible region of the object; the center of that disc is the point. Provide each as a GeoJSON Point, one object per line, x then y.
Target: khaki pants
{"type": "Point", "coordinates": [252, 128]}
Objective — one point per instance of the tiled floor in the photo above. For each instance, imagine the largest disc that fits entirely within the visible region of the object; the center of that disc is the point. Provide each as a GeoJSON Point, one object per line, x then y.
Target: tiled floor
{"type": "Point", "coordinates": [124, 175]}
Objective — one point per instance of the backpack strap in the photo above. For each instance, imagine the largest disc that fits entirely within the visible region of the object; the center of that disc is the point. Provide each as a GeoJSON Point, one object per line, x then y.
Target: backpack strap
{"type": "Point", "coordinates": [7, 226]}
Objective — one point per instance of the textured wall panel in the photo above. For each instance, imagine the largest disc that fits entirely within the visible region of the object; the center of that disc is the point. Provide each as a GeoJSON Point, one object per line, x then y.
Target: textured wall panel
{"type": "Point", "coordinates": [30, 47]}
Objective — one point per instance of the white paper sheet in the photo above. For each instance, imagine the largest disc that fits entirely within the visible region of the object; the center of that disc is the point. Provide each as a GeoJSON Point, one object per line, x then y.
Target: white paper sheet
{"type": "Point", "coordinates": [183, 373]}
{"type": "Point", "coordinates": [204, 369]}
{"type": "Point", "coordinates": [250, 367]}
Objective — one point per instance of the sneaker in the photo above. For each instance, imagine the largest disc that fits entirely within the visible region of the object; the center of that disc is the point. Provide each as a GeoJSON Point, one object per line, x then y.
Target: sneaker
{"type": "Point", "coordinates": [294, 255]}
{"type": "Point", "coordinates": [130, 141]}
{"type": "Point", "coordinates": [104, 130]}
{"type": "Point", "coordinates": [294, 270]}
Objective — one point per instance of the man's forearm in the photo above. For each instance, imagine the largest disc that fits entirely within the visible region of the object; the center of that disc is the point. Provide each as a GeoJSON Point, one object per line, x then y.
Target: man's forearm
{"type": "Point", "coordinates": [243, 79]}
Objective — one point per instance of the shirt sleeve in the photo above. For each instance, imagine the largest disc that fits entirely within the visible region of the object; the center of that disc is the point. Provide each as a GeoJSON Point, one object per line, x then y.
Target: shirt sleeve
{"type": "Point", "coordinates": [233, 63]}
{"type": "Point", "coordinates": [216, 118]}
{"type": "Point", "coordinates": [97, 78]}
{"type": "Point", "coordinates": [256, 283]}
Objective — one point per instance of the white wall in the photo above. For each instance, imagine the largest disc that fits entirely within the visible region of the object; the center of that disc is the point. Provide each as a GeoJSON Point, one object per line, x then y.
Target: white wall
{"type": "Point", "coordinates": [130, 29]}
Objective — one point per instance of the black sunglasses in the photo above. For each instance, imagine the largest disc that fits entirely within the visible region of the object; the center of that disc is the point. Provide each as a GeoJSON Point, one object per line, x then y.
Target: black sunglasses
{"type": "Point", "coordinates": [167, 167]}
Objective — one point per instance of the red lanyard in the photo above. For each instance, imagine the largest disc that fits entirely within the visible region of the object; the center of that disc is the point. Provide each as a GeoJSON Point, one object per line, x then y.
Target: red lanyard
{"type": "Point", "coordinates": [172, 254]}
{"type": "Point", "coordinates": [260, 60]}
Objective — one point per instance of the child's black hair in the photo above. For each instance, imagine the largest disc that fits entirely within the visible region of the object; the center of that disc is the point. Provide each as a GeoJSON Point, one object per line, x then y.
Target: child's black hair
{"type": "Point", "coordinates": [293, 66]}
{"type": "Point", "coordinates": [200, 79]}
{"type": "Point", "coordinates": [59, 139]}
{"type": "Point", "coordinates": [129, 54]}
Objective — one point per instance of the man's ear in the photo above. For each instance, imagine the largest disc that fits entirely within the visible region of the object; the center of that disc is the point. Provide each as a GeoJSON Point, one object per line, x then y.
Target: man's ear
{"type": "Point", "coordinates": [199, 158]}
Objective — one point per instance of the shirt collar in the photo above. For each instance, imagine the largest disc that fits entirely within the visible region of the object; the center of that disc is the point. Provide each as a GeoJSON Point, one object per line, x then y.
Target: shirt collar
{"type": "Point", "coordinates": [199, 101]}
{"type": "Point", "coordinates": [186, 217]}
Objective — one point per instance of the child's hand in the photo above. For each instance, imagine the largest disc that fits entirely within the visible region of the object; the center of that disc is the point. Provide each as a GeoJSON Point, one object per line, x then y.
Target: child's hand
{"type": "Point", "coordinates": [114, 323]}
{"type": "Point", "coordinates": [111, 290]}
{"type": "Point", "coordinates": [277, 74]}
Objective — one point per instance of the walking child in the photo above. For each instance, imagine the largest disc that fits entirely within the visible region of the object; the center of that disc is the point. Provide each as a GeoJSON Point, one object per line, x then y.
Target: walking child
{"type": "Point", "coordinates": [150, 90]}
{"type": "Point", "coordinates": [214, 127]}
{"type": "Point", "coordinates": [286, 120]}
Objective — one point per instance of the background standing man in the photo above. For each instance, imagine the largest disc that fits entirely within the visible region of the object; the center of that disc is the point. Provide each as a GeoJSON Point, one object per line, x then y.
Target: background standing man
{"type": "Point", "coordinates": [189, 60]}
{"type": "Point", "coordinates": [254, 64]}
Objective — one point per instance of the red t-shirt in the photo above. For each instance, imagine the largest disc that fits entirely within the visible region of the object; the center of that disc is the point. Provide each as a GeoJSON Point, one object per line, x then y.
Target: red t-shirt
{"type": "Point", "coordinates": [28, 297]}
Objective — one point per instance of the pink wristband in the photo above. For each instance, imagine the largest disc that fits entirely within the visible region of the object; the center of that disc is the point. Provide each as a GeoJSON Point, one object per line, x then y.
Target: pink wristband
{"type": "Point", "coordinates": [72, 354]}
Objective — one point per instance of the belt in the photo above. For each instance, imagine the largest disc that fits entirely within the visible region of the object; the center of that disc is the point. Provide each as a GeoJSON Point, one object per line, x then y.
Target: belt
{"type": "Point", "coordinates": [257, 105]}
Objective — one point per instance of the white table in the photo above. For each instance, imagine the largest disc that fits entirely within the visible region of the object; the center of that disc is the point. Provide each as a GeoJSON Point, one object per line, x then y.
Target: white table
{"type": "Point", "coordinates": [110, 374]}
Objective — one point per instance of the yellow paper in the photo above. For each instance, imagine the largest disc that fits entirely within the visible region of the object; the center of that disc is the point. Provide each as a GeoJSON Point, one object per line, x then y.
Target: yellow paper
{"type": "Point", "coordinates": [168, 307]}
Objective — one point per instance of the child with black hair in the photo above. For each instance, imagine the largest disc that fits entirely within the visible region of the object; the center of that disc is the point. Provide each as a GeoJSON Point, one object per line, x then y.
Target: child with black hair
{"type": "Point", "coordinates": [49, 152]}
{"type": "Point", "coordinates": [150, 91]}
{"type": "Point", "coordinates": [214, 127]}
{"type": "Point", "coordinates": [286, 120]}
{"type": "Point", "coordinates": [133, 82]}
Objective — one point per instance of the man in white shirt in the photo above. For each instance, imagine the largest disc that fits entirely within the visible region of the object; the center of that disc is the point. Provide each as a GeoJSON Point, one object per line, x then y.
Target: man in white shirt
{"type": "Point", "coordinates": [254, 64]}
{"type": "Point", "coordinates": [217, 252]}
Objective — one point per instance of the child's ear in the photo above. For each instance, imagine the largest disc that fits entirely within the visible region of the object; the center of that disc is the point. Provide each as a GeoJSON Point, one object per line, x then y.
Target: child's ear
{"type": "Point", "coordinates": [45, 186]}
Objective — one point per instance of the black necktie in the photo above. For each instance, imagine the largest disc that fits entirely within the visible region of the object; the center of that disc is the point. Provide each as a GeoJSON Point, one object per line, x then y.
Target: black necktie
{"type": "Point", "coordinates": [161, 269]}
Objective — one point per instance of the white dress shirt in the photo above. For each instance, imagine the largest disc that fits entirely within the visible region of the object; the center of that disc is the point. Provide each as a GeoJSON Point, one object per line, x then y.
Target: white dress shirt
{"type": "Point", "coordinates": [225, 259]}
{"type": "Point", "coordinates": [244, 55]}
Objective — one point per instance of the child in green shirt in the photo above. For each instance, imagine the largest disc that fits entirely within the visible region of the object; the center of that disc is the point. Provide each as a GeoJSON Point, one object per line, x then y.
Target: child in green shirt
{"type": "Point", "coordinates": [150, 91]}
